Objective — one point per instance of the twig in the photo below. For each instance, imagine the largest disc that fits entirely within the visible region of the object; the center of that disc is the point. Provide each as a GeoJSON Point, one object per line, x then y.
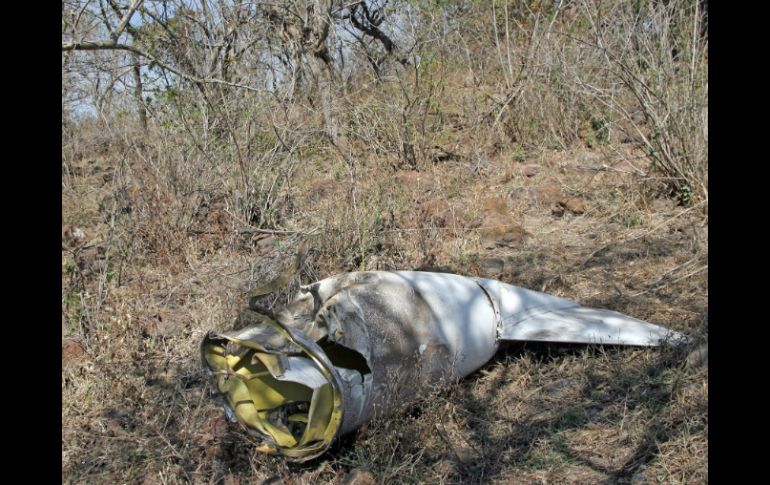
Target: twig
{"type": "Point", "coordinates": [658, 287]}
{"type": "Point", "coordinates": [90, 45]}
{"type": "Point", "coordinates": [606, 168]}
{"type": "Point", "coordinates": [277, 231]}
{"type": "Point", "coordinates": [126, 19]}
{"type": "Point", "coordinates": [175, 452]}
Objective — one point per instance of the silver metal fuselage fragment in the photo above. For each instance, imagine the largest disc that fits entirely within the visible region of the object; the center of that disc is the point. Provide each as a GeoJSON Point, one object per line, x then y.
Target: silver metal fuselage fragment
{"type": "Point", "coordinates": [381, 338]}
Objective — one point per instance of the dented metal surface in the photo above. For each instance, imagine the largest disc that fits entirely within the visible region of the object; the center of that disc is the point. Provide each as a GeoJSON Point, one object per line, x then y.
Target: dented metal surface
{"type": "Point", "coordinates": [353, 346]}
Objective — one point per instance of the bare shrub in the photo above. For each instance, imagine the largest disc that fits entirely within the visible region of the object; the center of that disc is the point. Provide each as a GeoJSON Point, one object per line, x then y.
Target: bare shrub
{"type": "Point", "coordinates": [656, 56]}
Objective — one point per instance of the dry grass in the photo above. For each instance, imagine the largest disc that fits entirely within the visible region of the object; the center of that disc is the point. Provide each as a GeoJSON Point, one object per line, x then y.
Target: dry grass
{"type": "Point", "coordinates": [136, 407]}
{"type": "Point", "coordinates": [516, 129]}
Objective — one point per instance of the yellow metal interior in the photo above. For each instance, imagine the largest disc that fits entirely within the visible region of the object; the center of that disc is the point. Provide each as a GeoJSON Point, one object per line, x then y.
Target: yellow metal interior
{"type": "Point", "coordinates": [289, 413]}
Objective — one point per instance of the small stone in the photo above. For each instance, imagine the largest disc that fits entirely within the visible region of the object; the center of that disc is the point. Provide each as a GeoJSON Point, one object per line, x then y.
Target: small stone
{"type": "Point", "coordinates": [490, 267]}
{"type": "Point", "coordinates": [542, 195]}
{"type": "Point", "coordinates": [530, 170]}
{"type": "Point", "coordinates": [360, 476]}
{"type": "Point", "coordinates": [72, 236]}
{"type": "Point", "coordinates": [495, 205]}
{"type": "Point", "coordinates": [72, 351]}
{"type": "Point", "coordinates": [500, 231]}
{"type": "Point", "coordinates": [573, 204]}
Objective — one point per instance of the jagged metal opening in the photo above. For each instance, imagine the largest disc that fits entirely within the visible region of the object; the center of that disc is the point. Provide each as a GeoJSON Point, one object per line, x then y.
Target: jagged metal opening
{"type": "Point", "coordinates": [344, 357]}
{"type": "Point", "coordinates": [282, 397]}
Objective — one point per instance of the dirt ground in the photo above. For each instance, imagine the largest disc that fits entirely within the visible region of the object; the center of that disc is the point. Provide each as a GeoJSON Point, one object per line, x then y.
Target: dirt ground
{"type": "Point", "coordinates": [136, 303]}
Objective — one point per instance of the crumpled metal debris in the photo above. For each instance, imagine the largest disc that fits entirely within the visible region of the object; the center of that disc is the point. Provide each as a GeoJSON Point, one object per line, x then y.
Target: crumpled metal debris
{"type": "Point", "coordinates": [354, 346]}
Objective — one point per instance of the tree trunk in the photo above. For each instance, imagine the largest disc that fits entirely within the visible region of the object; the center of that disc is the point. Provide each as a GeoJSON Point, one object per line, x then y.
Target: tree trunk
{"type": "Point", "coordinates": [138, 93]}
{"type": "Point", "coordinates": [325, 87]}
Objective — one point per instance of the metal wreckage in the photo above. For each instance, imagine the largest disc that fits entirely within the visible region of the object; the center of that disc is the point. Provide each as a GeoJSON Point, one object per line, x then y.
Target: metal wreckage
{"type": "Point", "coordinates": [354, 346]}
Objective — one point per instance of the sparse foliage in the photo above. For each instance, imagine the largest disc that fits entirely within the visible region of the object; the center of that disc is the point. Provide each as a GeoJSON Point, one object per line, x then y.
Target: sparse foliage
{"type": "Point", "coordinates": [203, 140]}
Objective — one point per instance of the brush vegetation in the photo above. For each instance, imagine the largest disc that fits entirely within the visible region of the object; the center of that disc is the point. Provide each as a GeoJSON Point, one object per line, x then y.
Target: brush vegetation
{"type": "Point", "coordinates": [555, 145]}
